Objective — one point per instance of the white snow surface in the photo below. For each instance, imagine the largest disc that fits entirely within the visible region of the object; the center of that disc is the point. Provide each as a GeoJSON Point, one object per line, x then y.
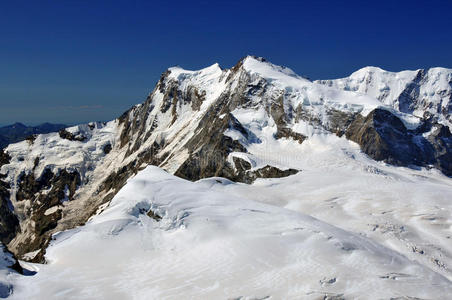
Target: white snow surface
{"type": "Point", "coordinates": [344, 225]}
{"type": "Point", "coordinates": [6, 274]}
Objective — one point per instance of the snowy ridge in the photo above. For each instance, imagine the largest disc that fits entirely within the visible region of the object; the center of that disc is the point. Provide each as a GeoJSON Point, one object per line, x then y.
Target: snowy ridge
{"type": "Point", "coordinates": [414, 92]}
{"type": "Point", "coordinates": [317, 98]}
{"type": "Point", "coordinates": [300, 91]}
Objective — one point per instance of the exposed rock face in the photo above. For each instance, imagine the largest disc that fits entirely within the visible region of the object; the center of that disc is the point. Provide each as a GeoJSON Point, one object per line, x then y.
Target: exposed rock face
{"type": "Point", "coordinates": [440, 140]}
{"type": "Point", "coordinates": [210, 159]}
{"type": "Point", "coordinates": [288, 133]}
{"type": "Point", "coordinates": [383, 136]}
{"type": "Point", "coordinates": [9, 224]}
{"type": "Point", "coordinates": [44, 196]}
{"type": "Point", "coordinates": [195, 124]}
{"type": "Point", "coordinates": [70, 136]}
{"type": "Point", "coordinates": [153, 215]}
{"type": "Point", "coordinates": [4, 158]}
{"type": "Point", "coordinates": [107, 148]}
{"type": "Point", "coordinates": [245, 173]}
{"type": "Point", "coordinates": [273, 172]}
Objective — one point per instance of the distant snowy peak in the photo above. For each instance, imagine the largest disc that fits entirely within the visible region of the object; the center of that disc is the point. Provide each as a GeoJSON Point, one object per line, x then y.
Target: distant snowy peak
{"type": "Point", "coordinates": [249, 64]}
{"type": "Point", "coordinates": [421, 92]}
{"type": "Point", "coordinates": [261, 66]}
{"type": "Point", "coordinates": [265, 82]}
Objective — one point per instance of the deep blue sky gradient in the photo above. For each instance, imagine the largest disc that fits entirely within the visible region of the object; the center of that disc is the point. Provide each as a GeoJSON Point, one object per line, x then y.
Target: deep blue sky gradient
{"type": "Point", "coordinates": [76, 61]}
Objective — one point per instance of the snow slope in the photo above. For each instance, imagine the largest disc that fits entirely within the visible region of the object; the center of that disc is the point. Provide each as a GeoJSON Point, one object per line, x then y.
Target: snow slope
{"type": "Point", "coordinates": [377, 232]}
{"type": "Point", "coordinates": [6, 273]}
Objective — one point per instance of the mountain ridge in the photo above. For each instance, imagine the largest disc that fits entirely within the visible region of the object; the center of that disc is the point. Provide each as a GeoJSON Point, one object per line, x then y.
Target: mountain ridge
{"type": "Point", "coordinates": [236, 123]}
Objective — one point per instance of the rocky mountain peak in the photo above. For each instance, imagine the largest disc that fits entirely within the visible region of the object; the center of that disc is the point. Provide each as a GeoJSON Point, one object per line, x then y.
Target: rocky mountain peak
{"type": "Point", "coordinates": [236, 123]}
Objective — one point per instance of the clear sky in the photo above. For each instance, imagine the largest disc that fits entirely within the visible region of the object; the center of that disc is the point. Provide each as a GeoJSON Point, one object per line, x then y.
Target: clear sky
{"type": "Point", "coordinates": [77, 61]}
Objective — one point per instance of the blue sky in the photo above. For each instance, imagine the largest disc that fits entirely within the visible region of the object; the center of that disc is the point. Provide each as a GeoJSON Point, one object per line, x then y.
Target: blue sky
{"type": "Point", "coordinates": [77, 61]}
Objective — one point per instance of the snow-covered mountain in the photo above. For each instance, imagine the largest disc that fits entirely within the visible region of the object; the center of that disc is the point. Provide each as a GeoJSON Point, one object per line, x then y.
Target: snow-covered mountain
{"type": "Point", "coordinates": [423, 93]}
{"type": "Point", "coordinates": [366, 153]}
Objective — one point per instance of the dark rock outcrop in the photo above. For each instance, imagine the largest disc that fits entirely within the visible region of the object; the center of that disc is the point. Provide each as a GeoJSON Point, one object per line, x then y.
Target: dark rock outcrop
{"type": "Point", "coordinates": [284, 132]}
{"type": "Point", "coordinates": [9, 224]}
{"type": "Point", "coordinates": [383, 136]}
{"type": "Point", "coordinates": [107, 148]}
{"type": "Point", "coordinates": [273, 172]}
{"type": "Point", "coordinates": [59, 187]}
{"type": "Point", "coordinates": [4, 158]}
{"type": "Point", "coordinates": [210, 159]}
{"type": "Point", "coordinates": [243, 172]}
{"type": "Point", "coordinates": [64, 134]}
{"type": "Point", "coordinates": [151, 214]}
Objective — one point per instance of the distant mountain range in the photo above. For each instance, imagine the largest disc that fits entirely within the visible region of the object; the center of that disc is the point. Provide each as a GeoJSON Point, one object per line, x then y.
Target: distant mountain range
{"type": "Point", "coordinates": [18, 132]}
